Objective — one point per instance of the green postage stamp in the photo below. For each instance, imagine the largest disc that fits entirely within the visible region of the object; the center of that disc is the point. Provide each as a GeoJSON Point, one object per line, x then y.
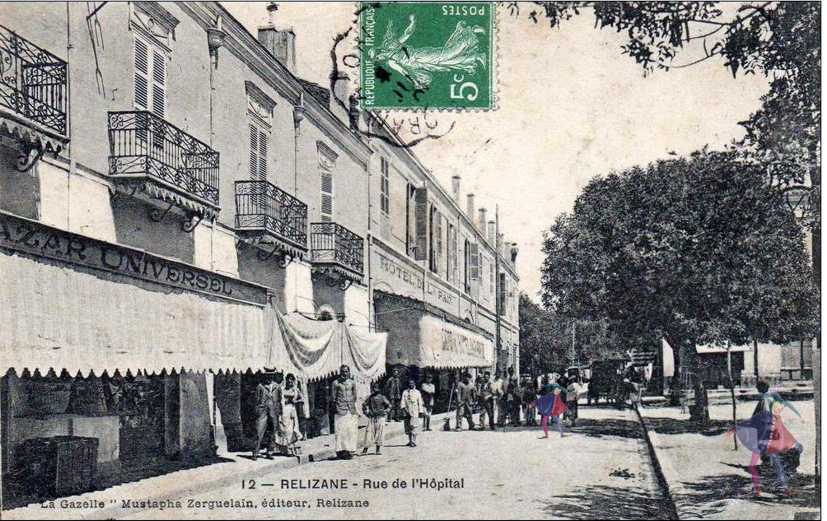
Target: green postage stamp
{"type": "Point", "coordinates": [434, 55]}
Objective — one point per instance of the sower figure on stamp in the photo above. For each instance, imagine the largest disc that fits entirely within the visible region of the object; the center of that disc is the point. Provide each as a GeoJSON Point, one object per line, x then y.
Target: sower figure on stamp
{"type": "Point", "coordinates": [376, 408]}
{"type": "Point", "coordinates": [268, 410]}
{"type": "Point", "coordinates": [393, 392]}
{"type": "Point", "coordinates": [346, 422]}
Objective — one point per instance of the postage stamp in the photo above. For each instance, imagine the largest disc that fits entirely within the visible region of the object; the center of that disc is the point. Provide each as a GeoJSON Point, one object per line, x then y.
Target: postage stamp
{"type": "Point", "coordinates": [427, 55]}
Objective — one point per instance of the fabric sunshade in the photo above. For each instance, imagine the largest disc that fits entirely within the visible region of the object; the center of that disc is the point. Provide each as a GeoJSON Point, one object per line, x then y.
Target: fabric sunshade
{"type": "Point", "coordinates": [82, 321]}
{"type": "Point", "coordinates": [317, 349]}
{"type": "Point", "coordinates": [424, 340]}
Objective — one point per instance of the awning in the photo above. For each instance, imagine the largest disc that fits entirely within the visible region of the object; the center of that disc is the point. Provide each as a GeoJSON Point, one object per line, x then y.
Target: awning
{"type": "Point", "coordinates": [77, 304]}
{"type": "Point", "coordinates": [417, 336]}
{"type": "Point", "coordinates": [318, 348]}
{"type": "Point", "coordinates": [61, 318]}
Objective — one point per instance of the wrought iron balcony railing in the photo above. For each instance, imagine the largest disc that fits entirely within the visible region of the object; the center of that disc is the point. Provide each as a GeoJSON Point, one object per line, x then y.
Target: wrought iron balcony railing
{"type": "Point", "coordinates": [143, 145]}
{"type": "Point", "coordinates": [32, 82]}
{"type": "Point", "coordinates": [333, 244]}
{"type": "Point", "coordinates": [263, 207]}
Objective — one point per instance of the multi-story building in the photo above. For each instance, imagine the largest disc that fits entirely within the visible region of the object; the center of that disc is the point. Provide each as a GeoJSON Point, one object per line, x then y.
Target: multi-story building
{"type": "Point", "coordinates": [440, 274]}
{"type": "Point", "coordinates": [169, 191]}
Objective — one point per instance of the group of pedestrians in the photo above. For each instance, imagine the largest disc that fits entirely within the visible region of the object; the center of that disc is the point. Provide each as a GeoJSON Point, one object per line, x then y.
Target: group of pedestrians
{"type": "Point", "coordinates": [277, 400]}
{"type": "Point", "coordinates": [503, 402]}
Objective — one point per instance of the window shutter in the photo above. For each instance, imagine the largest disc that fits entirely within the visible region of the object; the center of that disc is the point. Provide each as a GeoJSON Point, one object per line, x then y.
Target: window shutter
{"type": "Point", "coordinates": [411, 221]}
{"type": "Point", "coordinates": [501, 295]}
{"type": "Point", "coordinates": [439, 241]}
{"type": "Point", "coordinates": [141, 75]}
{"type": "Point", "coordinates": [253, 152]}
{"type": "Point", "coordinates": [327, 196]}
{"type": "Point", "coordinates": [454, 255]}
{"type": "Point", "coordinates": [159, 78]}
{"type": "Point", "coordinates": [421, 228]}
{"type": "Point", "coordinates": [475, 261]}
{"type": "Point", "coordinates": [262, 152]}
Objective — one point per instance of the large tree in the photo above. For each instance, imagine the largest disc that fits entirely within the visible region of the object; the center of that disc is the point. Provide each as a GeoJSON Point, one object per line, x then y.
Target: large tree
{"type": "Point", "coordinates": [780, 40]}
{"type": "Point", "coordinates": [698, 250]}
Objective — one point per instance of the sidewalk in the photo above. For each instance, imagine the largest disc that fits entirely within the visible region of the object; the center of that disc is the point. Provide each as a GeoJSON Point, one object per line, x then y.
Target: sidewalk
{"type": "Point", "coordinates": [233, 469]}
{"type": "Point", "coordinates": [707, 478]}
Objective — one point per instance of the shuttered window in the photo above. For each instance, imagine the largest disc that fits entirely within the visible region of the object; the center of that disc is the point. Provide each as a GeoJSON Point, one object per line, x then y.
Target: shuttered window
{"type": "Point", "coordinates": [385, 188]}
{"type": "Point", "coordinates": [492, 281]}
{"type": "Point", "coordinates": [421, 210]}
{"type": "Point", "coordinates": [451, 257]}
{"type": "Point", "coordinates": [410, 221]}
{"type": "Point", "coordinates": [150, 77]}
{"type": "Point", "coordinates": [327, 196]}
{"type": "Point", "coordinates": [475, 262]}
{"type": "Point", "coordinates": [439, 242]}
{"type": "Point", "coordinates": [259, 139]}
{"type": "Point", "coordinates": [466, 252]}
{"type": "Point", "coordinates": [327, 167]}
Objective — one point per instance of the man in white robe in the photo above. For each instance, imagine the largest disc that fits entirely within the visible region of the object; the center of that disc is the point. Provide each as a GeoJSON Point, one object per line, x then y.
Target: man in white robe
{"type": "Point", "coordinates": [346, 421]}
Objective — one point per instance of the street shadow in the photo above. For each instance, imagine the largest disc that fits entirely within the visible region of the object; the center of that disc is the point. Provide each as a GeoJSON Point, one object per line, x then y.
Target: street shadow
{"type": "Point", "coordinates": [710, 495]}
{"type": "Point", "coordinates": [605, 428]}
{"type": "Point", "coordinates": [675, 426]}
{"type": "Point", "coordinates": [603, 502]}
{"type": "Point", "coordinates": [16, 494]}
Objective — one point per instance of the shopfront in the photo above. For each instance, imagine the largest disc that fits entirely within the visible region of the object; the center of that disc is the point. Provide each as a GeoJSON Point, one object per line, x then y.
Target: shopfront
{"type": "Point", "coordinates": [423, 339]}
{"type": "Point", "coordinates": [118, 359]}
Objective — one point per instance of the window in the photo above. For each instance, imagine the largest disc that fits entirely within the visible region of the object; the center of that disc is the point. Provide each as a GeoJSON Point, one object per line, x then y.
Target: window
{"type": "Point", "coordinates": [421, 223]}
{"type": "Point", "coordinates": [258, 152]}
{"type": "Point", "coordinates": [453, 272]}
{"type": "Point", "coordinates": [260, 111]}
{"type": "Point", "coordinates": [492, 281]}
{"type": "Point", "coordinates": [439, 243]}
{"type": "Point", "coordinates": [502, 296]}
{"type": "Point", "coordinates": [410, 221]}
{"type": "Point", "coordinates": [466, 253]}
{"type": "Point", "coordinates": [327, 164]}
{"type": "Point", "coordinates": [384, 193]}
{"type": "Point", "coordinates": [435, 239]}
{"type": "Point", "coordinates": [150, 77]}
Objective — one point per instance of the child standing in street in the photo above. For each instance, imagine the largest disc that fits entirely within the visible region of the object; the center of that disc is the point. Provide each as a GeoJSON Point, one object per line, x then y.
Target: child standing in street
{"type": "Point", "coordinates": [376, 408]}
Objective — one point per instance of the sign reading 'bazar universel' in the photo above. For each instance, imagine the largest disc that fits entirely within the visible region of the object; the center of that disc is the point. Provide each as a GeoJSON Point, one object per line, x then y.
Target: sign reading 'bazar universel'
{"type": "Point", "coordinates": [18, 234]}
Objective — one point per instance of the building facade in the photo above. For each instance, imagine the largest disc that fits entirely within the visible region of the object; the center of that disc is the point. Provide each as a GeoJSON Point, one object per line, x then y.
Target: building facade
{"type": "Point", "coordinates": [168, 185]}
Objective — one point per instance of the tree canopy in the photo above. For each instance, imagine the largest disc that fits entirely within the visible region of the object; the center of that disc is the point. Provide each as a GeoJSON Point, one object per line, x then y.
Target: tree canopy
{"type": "Point", "coordinates": [698, 249]}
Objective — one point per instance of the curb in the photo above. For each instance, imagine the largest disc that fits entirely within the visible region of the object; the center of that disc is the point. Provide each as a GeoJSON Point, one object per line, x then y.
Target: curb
{"type": "Point", "coordinates": [650, 435]}
{"type": "Point", "coordinates": [209, 485]}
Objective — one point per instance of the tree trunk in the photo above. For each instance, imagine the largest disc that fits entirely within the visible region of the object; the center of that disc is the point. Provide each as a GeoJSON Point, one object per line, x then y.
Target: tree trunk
{"type": "Point", "coordinates": [732, 393]}
{"type": "Point", "coordinates": [675, 388]}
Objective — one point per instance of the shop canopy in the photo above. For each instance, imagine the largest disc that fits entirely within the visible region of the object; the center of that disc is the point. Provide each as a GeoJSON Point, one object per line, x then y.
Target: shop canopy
{"type": "Point", "coordinates": [82, 318]}
{"type": "Point", "coordinates": [424, 337]}
{"type": "Point", "coordinates": [317, 349]}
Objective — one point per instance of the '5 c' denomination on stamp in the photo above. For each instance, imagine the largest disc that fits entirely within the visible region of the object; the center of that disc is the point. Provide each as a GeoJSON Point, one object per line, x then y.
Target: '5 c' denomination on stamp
{"type": "Point", "coordinates": [427, 55]}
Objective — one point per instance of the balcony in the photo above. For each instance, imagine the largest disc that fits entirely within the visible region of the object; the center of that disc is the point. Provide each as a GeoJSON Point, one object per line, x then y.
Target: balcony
{"type": "Point", "coordinates": [336, 251]}
{"type": "Point", "coordinates": [33, 92]}
{"type": "Point", "coordinates": [149, 155]}
{"type": "Point", "coordinates": [267, 215]}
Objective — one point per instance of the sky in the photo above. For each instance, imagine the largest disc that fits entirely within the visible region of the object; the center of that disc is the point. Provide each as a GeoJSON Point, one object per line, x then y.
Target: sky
{"type": "Point", "coordinates": [571, 107]}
